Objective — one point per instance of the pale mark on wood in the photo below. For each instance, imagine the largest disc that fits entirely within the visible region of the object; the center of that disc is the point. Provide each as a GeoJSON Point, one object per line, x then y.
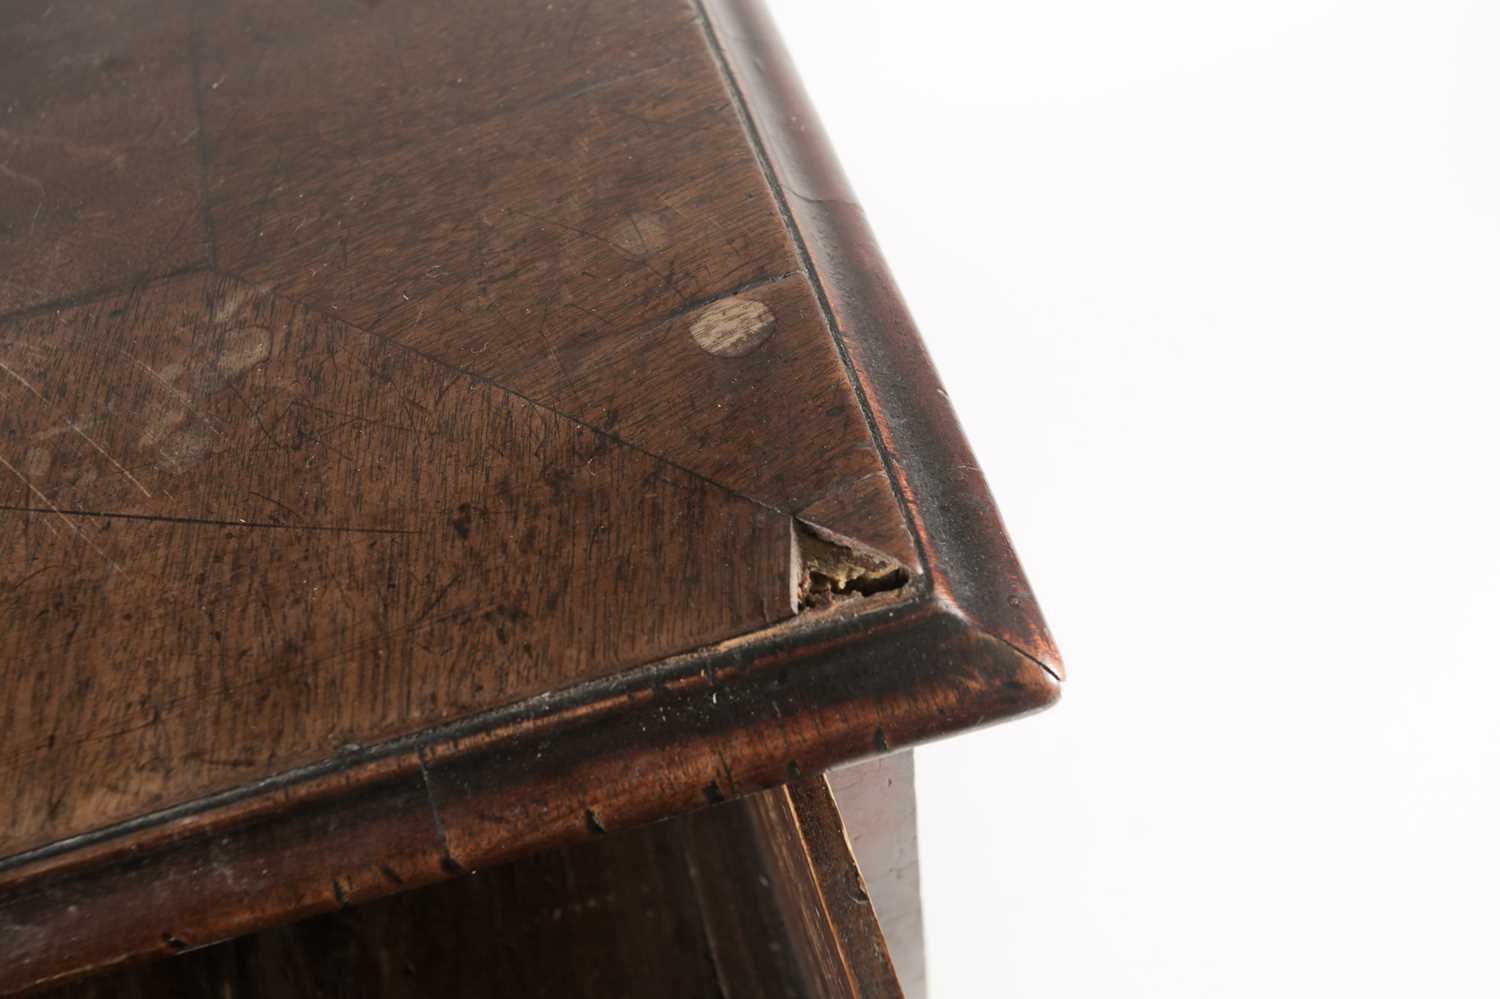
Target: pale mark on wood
{"type": "Point", "coordinates": [162, 379]}
{"type": "Point", "coordinates": [249, 347]}
{"type": "Point", "coordinates": [642, 234]}
{"type": "Point", "coordinates": [230, 306]}
{"type": "Point", "coordinates": [79, 431]}
{"type": "Point", "coordinates": [733, 327]}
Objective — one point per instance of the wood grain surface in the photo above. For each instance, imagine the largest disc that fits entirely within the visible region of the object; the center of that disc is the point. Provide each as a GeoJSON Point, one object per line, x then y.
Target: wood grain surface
{"type": "Point", "coordinates": [461, 353]}
{"type": "Point", "coordinates": [754, 899]}
{"type": "Point", "coordinates": [429, 431]}
{"type": "Point", "coordinates": [244, 536]}
{"type": "Point", "coordinates": [100, 184]}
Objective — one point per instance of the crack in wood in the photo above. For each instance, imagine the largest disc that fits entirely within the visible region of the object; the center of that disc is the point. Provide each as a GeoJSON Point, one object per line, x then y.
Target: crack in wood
{"type": "Point", "coordinates": [829, 569]}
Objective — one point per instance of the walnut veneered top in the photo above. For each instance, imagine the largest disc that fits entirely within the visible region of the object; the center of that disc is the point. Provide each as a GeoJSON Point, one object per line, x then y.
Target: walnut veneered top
{"type": "Point", "coordinates": [394, 389]}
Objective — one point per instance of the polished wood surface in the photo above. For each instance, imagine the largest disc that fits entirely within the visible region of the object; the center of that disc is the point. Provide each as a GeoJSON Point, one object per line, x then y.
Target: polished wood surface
{"type": "Point", "coordinates": [759, 897]}
{"type": "Point", "coordinates": [449, 375]}
{"type": "Point", "coordinates": [256, 536]}
{"type": "Point", "coordinates": [434, 431]}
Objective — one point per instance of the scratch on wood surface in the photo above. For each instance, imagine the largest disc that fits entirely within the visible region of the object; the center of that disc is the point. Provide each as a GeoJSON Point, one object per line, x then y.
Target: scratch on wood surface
{"type": "Point", "coordinates": [14, 374]}
{"type": "Point", "coordinates": [41, 190]}
{"type": "Point", "coordinates": [78, 430]}
{"type": "Point", "coordinates": [109, 458]}
{"type": "Point", "coordinates": [173, 389]}
{"type": "Point", "coordinates": [53, 507]}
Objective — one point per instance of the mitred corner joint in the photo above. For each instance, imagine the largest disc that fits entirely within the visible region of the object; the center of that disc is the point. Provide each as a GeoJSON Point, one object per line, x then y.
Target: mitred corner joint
{"type": "Point", "coordinates": [973, 568]}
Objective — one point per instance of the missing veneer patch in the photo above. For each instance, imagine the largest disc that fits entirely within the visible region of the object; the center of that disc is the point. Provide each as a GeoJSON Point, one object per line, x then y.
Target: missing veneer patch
{"type": "Point", "coordinates": [828, 570]}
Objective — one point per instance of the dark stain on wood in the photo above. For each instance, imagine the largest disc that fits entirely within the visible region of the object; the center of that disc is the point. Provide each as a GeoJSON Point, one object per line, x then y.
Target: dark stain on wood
{"type": "Point", "coordinates": [742, 900]}
{"type": "Point", "coordinates": [371, 511]}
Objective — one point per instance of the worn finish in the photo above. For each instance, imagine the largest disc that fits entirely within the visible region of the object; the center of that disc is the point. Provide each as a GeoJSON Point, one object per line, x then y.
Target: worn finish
{"type": "Point", "coordinates": [972, 561]}
{"type": "Point", "coordinates": [823, 938]}
{"type": "Point", "coordinates": [99, 174]}
{"type": "Point", "coordinates": [607, 755]}
{"type": "Point", "coordinates": [430, 491]}
{"type": "Point", "coordinates": [755, 898]}
{"type": "Point", "coordinates": [304, 538]}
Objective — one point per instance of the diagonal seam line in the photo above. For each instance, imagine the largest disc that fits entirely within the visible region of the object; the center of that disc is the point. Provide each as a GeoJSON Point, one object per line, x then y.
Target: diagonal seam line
{"type": "Point", "coordinates": [815, 280]}
{"type": "Point", "coordinates": [608, 435]}
{"type": "Point", "coordinates": [195, 47]}
{"type": "Point", "coordinates": [1028, 656]}
{"type": "Point", "coordinates": [206, 522]}
{"type": "Point", "coordinates": [96, 295]}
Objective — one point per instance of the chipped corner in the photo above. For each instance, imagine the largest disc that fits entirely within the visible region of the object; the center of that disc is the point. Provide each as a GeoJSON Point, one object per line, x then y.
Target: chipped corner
{"type": "Point", "coordinates": [830, 570]}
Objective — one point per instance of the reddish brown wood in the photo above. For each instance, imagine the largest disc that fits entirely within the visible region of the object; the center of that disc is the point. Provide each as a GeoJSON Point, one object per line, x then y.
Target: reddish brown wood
{"type": "Point", "coordinates": [446, 482]}
{"type": "Point", "coordinates": [971, 560]}
{"type": "Point", "coordinates": [325, 541]}
{"type": "Point", "coordinates": [755, 898]}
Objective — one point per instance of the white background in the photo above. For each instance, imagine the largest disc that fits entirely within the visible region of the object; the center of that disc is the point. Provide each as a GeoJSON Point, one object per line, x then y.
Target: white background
{"type": "Point", "coordinates": [1215, 288]}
